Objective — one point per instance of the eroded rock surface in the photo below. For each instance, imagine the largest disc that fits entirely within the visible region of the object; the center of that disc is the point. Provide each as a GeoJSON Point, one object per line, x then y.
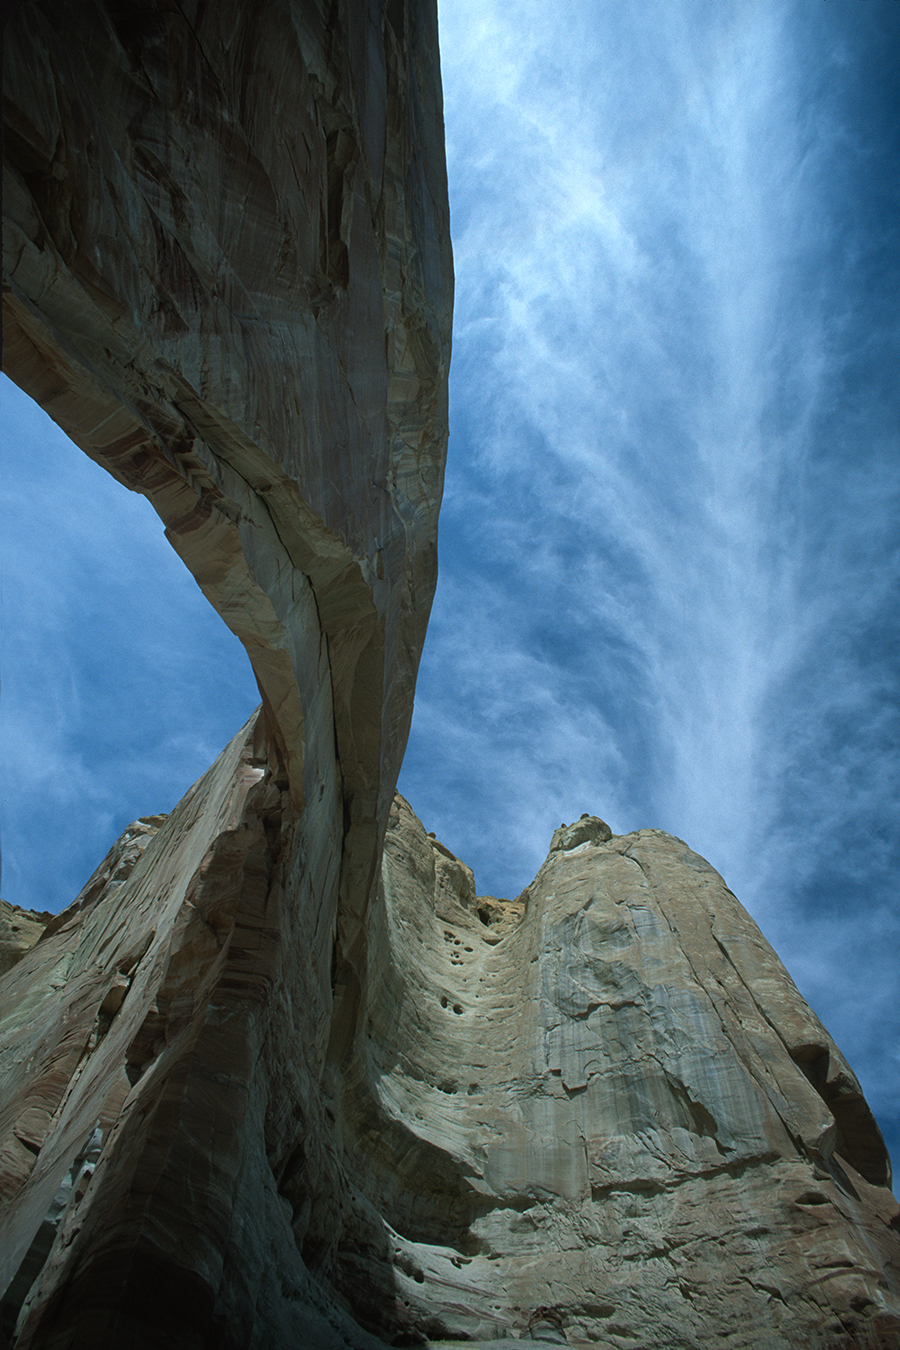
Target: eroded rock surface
{"type": "Point", "coordinates": [19, 931]}
{"type": "Point", "coordinates": [176, 1022]}
{"type": "Point", "coordinates": [227, 277]}
{"type": "Point", "coordinates": [622, 1111]}
{"type": "Point", "coordinates": [607, 1116]}
{"type": "Point", "coordinates": [252, 1096]}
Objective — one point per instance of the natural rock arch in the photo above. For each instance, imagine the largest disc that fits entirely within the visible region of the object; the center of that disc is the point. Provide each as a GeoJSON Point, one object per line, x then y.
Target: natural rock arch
{"type": "Point", "coordinates": [334, 1103]}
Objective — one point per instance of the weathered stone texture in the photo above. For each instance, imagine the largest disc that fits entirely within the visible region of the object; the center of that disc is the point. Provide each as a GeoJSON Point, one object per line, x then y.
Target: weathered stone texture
{"type": "Point", "coordinates": [603, 1107]}
{"type": "Point", "coordinates": [227, 276]}
{"type": "Point", "coordinates": [622, 1110]}
{"type": "Point", "coordinates": [19, 931]}
{"type": "Point", "coordinates": [250, 1096]}
{"type": "Point", "coordinates": [184, 1014]}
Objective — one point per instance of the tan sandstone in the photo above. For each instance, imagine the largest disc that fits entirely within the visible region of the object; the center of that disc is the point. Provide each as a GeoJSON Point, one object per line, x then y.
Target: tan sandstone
{"type": "Point", "coordinates": [227, 277]}
{"type": "Point", "coordinates": [19, 931]}
{"type": "Point", "coordinates": [624, 1109]}
{"type": "Point", "coordinates": [602, 1112]}
{"type": "Point", "coordinates": [258, 1086]}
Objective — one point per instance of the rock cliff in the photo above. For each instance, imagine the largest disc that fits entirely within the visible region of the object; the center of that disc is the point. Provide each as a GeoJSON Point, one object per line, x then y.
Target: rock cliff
{"type": "Point", "coordinates": [279, 1076]}
{"type": "Point", "coordinates": [601, 1112]}
{"type": "Point", "coordinates": [624, 1109]}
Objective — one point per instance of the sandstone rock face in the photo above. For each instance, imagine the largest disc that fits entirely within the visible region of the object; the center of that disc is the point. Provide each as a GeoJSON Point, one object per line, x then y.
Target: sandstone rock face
{"type": "Point", "coordinates": [598, 1115]}
{"type": "Point", "coordinates": [622, 1111]}
{"type": "Point", "coordinates": [228, 278]}
{"type": "Point", "coordinates": [250, 1094]}
{"type": "Point", "coordinates": [157, 1079]}
{"type": "Point", "coordinates": [19, 931]}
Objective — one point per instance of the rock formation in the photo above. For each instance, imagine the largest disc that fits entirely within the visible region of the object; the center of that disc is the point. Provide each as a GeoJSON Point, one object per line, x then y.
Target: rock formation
{"type": "Point", "coordinates": [19, 931]}
{"type": "Point", "coordinates": [228, 279]}
{"type": "Point", "coordinates": [601, 1112]}
{"type": "Point", "coordinates": [625, 1110]}
{"type": "Point", "coordinates": [279, 1076]}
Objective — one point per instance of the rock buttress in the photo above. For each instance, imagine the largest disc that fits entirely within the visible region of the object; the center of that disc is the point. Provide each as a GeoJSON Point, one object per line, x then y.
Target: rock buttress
{"type": "Point", "coordinates": [162, 1053]}
{"type": "Point", "coordinates": [607, 1099]}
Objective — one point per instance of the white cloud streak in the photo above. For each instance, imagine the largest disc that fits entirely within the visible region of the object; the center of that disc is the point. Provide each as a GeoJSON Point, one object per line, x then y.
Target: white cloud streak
{"type": "Point", "coordinates": [657, 480]}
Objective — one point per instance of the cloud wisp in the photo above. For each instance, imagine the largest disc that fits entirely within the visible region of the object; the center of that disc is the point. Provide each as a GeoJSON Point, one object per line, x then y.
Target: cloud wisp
{"type": "Point", "coordinates": [669, 542]}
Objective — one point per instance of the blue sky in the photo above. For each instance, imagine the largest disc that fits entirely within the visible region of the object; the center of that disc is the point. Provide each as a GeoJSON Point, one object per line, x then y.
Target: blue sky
{"type": "Point", "coordinates": [669, 540]}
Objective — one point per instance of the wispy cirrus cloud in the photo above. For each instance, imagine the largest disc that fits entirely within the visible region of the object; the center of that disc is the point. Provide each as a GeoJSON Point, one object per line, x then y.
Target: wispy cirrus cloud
{"type": "Point", "coordinates": [674, 461]}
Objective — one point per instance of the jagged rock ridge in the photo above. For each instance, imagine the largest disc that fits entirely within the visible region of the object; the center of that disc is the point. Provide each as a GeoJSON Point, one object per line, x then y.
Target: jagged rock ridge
{"type": "Point", "coordinates": [276, 1089]}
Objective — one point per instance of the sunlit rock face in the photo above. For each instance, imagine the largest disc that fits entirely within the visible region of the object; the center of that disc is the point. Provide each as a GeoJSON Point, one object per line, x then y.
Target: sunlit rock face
{"type": "Point", "coordinates": [599, 1114]}
{"type": "Point", "coordinates": [250, 1094]}
{"type": "Point", "coordinates": [19, 931]}
{"type": "Point", "coordinates": [612, 1103]}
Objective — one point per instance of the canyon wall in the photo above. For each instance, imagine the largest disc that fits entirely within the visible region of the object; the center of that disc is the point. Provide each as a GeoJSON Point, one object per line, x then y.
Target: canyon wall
{"type": "Point", "coordinates": [279, 1076]}
{"type": "Point", "coordinates": [227, 277]}
{"type": "Point", "coordinates": [599, 1114]}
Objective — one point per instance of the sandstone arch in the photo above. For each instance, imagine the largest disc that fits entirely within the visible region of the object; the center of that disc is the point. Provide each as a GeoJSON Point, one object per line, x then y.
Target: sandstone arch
{"type": "Point", "coordinates": [301, 1103]}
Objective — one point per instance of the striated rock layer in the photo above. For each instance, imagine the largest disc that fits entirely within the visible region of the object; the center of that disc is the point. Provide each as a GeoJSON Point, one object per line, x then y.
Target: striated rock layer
{"type": "Point", "coordinates": [181, 1014]}
{"type": "Point", "coordinates": [227, 277]}
{"type": "Point", "coordinates": [601, 1112]}
{"type": "Point", "coordinates": [19, 931]}
{"type": "Point", "coordinates": [610, 1100]}
{"type": "Point", "coordinates": [250, 1094]}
